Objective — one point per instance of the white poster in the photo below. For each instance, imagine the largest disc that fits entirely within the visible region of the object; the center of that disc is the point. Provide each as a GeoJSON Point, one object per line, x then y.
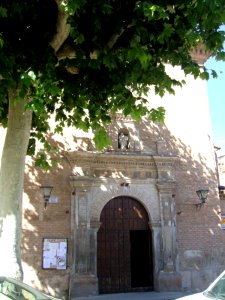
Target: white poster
{"type": "Point", "coordinates": [55, 254]}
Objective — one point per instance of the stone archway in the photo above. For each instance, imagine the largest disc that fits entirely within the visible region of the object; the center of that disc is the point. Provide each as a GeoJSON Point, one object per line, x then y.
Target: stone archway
{"type": "Point", "coordinates": [124, 247]}
{"type": "Point", "coordinates": [92, 195]}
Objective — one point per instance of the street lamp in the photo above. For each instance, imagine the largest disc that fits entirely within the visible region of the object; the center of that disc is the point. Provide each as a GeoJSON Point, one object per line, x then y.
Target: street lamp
{"type": "Point", "coordinates": [202, 195]}
{"type": "Point", "coordinates": [46, 192]}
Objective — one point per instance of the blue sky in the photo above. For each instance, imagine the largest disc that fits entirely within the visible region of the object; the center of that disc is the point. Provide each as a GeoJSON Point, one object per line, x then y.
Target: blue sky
{"type": "Point", "coordinates": [216, 94]}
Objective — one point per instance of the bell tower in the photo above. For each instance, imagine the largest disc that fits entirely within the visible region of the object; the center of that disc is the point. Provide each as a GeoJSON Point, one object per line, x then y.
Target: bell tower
{"type": "Point", "coordinates": [200, 55]}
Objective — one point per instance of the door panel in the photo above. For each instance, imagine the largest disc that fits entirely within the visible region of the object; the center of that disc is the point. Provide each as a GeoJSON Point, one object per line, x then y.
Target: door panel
{"type": "Point", "coordinates": [124, 227]}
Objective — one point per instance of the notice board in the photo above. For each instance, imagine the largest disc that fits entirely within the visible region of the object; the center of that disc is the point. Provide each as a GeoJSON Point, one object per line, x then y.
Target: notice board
{"type": "Point", "coordinates": [54, 253]}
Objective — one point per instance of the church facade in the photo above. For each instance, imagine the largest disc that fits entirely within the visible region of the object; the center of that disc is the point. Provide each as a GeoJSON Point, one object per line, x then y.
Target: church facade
{"type": "Point", "coordinates": [128, 218]}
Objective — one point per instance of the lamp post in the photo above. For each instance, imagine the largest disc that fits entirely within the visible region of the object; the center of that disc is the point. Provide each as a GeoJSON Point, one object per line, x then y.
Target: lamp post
{"type": "Point", "coordinates": [46, 192]}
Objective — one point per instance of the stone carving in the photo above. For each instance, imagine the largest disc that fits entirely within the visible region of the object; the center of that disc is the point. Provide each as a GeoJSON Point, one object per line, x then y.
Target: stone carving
{"type": "Point", "coordinates": [123, 141]}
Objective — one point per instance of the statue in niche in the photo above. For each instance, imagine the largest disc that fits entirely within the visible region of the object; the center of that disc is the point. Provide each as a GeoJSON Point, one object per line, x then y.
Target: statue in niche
{"type": "Point", "coordinates": [123, 141]}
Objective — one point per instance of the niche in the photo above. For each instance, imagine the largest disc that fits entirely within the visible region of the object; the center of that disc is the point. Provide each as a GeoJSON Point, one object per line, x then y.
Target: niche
{"type": "Point", "coordinates": [123, 139]}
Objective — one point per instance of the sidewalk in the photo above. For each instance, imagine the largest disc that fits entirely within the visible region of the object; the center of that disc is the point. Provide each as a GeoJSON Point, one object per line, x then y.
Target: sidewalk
{"type": "Point", "coordinates": [136, 296]}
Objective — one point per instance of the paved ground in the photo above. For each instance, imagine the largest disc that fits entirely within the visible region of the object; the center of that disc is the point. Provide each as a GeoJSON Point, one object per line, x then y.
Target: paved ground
{"type": "Point", "coordinates": [136, 296]}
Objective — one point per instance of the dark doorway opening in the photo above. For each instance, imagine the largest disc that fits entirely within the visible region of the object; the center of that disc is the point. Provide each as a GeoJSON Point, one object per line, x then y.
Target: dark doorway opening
{"type": "Point", "coordinates": [140, 259]}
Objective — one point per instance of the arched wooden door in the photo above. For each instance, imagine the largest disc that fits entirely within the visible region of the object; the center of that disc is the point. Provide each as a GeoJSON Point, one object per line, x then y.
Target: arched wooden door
{"type": "Point", "coordinates": [124, 257]}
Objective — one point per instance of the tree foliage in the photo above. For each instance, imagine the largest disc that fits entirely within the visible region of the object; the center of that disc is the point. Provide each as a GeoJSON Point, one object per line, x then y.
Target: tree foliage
{"type": "Point", "coordinates": [112, 53]}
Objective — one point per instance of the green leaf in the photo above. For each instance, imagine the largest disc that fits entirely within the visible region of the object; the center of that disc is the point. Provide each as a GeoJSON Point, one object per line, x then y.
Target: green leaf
{"type": "Point", "coordinates": [204, 75]}
{"type": "Point", "coordinates": [157, 115]}
{"type": "Point", "coordinates": [73, 5]}
{"type": "Point", "coordinates": [79, 39]}
{"type": "Point", "coordinates": [41, 161]}
{"type": "Point", "coordinates": [220, 56]}
{"type": "Point", "coordinates": [166, 33]}
{"type": "Point", "coordinates": [101, 139]}
{"type": "Point", "coordinates": [3, 12]}
{"type": "Point", "coordinates": [214, 74]}
{"type": "Point", "coordinates": [107, 8]}
{"type": "Point", "coordinates": [1, 41]}
{"type": "Point", "coordinates": [110, 61]}
{"type": "Point", "coordinates": [31, 147]}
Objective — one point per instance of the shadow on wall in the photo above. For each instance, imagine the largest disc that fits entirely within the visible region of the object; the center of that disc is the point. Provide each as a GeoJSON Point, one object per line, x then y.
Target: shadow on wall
{"type": "Point", "coordinates": [197, 229]}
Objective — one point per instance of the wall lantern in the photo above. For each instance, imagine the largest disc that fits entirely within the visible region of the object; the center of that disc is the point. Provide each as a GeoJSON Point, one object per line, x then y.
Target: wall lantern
{"type": "Point", "coordinates": [46, 192]}
{"type": "Point", "coordinates": [202, 195]}
{"type": "Point", "coordinates": [221, 190]}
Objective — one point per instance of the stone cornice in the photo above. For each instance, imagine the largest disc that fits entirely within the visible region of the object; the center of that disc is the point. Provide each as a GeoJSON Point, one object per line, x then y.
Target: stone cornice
{"type": "Point", "coordinates": [107, 160]}
{"type": "Point", "coordinates": [86, 166]}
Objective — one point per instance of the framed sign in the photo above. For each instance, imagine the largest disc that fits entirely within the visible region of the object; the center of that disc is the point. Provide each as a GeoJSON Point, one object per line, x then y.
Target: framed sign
{"type": "Point", "coordinates": [54, 254]}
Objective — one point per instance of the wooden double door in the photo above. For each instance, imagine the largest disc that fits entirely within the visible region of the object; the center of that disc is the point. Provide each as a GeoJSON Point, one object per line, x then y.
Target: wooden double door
{"type": "Point", "coordinates": [124, 256]}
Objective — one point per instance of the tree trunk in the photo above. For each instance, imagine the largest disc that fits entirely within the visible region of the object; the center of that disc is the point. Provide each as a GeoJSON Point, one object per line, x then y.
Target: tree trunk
{"type": "Point", "coordinates": [12, 170]}
{"type": "Point", "coordinates": [11, 186]}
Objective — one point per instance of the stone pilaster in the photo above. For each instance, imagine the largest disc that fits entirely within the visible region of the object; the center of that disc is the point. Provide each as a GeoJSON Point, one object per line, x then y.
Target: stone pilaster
{"type": "Point", "coordinates": [169, 278]}
{"type": "Point", "coordinates": [85, 244]}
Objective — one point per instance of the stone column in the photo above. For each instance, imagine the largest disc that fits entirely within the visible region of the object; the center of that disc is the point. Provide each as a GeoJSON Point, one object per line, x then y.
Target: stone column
{"type": "Point", "coordinates": [169, 278]}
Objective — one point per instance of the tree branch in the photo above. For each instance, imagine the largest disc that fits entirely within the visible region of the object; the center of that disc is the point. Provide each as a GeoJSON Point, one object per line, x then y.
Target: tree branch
{"type": "Point", "coordinates": [114, 38]}
{"type": "Point", "coordinates": [63, 28]}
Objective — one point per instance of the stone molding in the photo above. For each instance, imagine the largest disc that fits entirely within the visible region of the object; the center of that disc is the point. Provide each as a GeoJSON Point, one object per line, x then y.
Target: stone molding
{"type": "Point", "coordinates": [139, 193]}
{"type": "Point", "coordinates": [97, 165]}
{"type": "Point", "coordinates": [166, 187]}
